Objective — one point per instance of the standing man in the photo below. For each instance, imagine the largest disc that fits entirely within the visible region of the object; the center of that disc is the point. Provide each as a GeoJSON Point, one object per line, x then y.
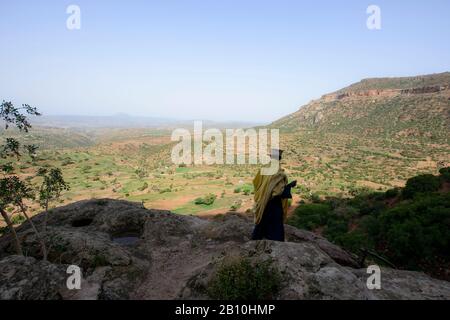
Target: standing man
{"type": "Point", "coordinates": [271, 202]}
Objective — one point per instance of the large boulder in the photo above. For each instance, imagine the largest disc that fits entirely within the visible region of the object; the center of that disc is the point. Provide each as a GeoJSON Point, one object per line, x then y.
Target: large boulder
{"type": "Point", "coordinates": [27, 278]}
{"type": "Point", "coordinates": [309, 273]}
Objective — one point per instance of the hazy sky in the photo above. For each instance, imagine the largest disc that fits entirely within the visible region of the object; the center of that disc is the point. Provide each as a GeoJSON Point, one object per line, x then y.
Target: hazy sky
{"type": "Point", "coordinates": [250, 60]}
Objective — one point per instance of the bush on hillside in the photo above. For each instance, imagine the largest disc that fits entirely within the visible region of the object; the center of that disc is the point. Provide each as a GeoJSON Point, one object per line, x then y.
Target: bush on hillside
{"type": "Point", "coordinates": [245, 189]}
{"type": "Point", "coordinates": [412, 232]}
{"type": "Point", "coordinates": [353, 240]}
{"type": "Point", "coordinates": [310, 216]}
{"type": "Point", "coordinates": [143, 187]}
{"type": "Point", "coordinates": [206, 200]}
{"type": "Point", "coordinates": [391, 193]}
{"type": "Point", "coordinates": [417, 231]}
{"type": "Point", "coordinates": [244, 280]}
{"type": "Point", "coordinates": [445, 174]}
{"type": "Point", "coordinates": [236, 205]}
{"type": "Point", "coordinates": [18, 219]}
{"type": "Point", "coordinates": [420, 184]}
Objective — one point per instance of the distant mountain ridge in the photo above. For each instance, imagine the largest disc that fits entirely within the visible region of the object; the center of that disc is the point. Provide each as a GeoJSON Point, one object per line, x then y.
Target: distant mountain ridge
{"type": "Point", "coordinates": [411, 107]}
{"type": "Point", "coordinates": [84, 121]}
{"type": "Point", "coordinates": [72, 131]}
{"type": "Point", "coordinates": [122, 120]}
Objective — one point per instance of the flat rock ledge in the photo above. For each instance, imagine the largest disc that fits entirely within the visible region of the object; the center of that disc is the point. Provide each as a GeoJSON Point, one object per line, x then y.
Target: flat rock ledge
{"type": "Point", "coordinates": [128, 252]}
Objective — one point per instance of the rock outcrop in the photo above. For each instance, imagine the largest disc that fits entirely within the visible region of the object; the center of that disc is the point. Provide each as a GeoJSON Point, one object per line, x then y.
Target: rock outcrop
{"type": "Point", "coordinates": [128, 252]}
{"type": "Point", "coordinates": [379, 108]}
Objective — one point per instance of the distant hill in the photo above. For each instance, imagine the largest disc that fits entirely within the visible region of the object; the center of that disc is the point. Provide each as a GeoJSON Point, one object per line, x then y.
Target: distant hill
{"type": "Point", "coordinates": [113, 121]}
{"type": "Point", "coordinates": [122, 120]}
{"type": "Point", "coordinates": [72, 131]}
{"type": "Point", "coordinates": [407, 107]}
{"type": "Point", "coordinates": [50, 137]}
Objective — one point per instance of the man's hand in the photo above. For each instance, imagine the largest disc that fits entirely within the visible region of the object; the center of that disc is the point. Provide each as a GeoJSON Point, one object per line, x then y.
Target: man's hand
{"type": "Point", "coordinates": [293, 184]}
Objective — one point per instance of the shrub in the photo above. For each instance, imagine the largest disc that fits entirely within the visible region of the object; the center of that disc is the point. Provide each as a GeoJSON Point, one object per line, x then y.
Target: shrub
{"type": "Point", "coordinates": [371, 225]}
{"type": "Point", "coordinates": [335, 227]}
{"type": "Point", "coordinates": [445, 174]}
{"type": "Point", "coordinates": [310, 216]}
{"type": "Point", "coordinates": [17, 219]}
{"type": "Point", "coordinates": [372, 207]}
{"type": "Point", "coordinates": [244, 280]}
{"type": "Point", "coordinates": [236, 205]}
{"type": "Point", "coordinates": [417, 231]}
{"type": "Point", "coordinates": [412, 233]}
{"type": "Point", "coordinates": [391, 193]}
{"type": "Point", "coordinates": [314, 197]}
{"type": "Point", "coordinates": [143, 187]}
{"type": "Point", "coordinates": [419, 184]}
{"type": "Point", "coordinates": [245, 189]}
{"type": "Point", "coordinates": [206, 200]}
{"type": "Point", "coordinates": [165, 190]}
{"type": "Point", "coordinates": [353, 240]}
{"type": "Point", "coordinates": [141, 173]}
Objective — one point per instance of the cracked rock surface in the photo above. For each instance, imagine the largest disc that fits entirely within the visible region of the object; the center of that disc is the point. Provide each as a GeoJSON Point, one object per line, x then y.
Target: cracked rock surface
{"type": "Point", "coordinates": [128, 252]}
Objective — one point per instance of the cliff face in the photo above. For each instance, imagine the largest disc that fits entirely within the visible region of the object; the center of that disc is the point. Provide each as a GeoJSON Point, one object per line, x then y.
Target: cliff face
{"type": "Point", "coordinates": [385, 107]}
{"type": "Point", "coordinates": [128, 252]}
{"type": "Point", "coordinates": [383, 92]}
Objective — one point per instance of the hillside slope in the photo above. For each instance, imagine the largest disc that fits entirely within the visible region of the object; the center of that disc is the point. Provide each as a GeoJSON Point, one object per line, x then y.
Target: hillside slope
{"type": "Point", "coordinates": [410, 107]}
{"type": "Point", "coordinates": [126, 251]}
{"type": "Point", "coordinates": [50, 137]}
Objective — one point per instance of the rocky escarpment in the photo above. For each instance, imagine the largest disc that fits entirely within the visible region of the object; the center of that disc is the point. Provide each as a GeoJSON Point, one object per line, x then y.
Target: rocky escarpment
{"type": "Point", "coordinates": [382, 93]}
{"type": "Point", "coordinates": [128, 252]}
{"type": "Point", "coordinates": [411, 107]}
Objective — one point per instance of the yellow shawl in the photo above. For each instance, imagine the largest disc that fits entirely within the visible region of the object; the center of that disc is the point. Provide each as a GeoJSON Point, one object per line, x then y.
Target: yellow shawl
{"type": "Point", "coordinates": [267, 187]}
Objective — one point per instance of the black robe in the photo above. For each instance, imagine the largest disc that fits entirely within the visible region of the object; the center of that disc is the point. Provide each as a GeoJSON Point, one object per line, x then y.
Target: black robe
{"type": "Point", "coordinates": [271, 226]}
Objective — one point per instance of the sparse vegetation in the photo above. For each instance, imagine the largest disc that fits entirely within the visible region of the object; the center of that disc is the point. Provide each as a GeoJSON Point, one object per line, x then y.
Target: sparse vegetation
{"type": "Point", "coordinates": [411, 232]}
{"type": "Point", "coordinates": [206, 200]}
{"type": "Point", "coordinates": [245, 280]}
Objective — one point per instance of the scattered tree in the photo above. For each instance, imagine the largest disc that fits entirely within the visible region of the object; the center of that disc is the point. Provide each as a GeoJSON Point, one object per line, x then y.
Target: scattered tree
{"type": "Point", "coordinates": [14, 191]}
{"type": "Point", "coordinates": [50, 190]}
